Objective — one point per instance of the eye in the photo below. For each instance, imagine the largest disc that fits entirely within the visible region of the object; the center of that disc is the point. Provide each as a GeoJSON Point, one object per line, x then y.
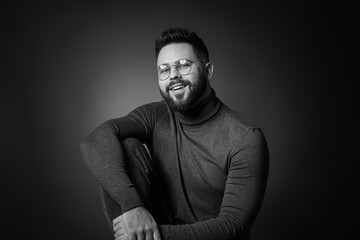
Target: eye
{"type": "Point", "coordinates": [163, 68]}
{"type": "Point", "coordinates": [184, 63]}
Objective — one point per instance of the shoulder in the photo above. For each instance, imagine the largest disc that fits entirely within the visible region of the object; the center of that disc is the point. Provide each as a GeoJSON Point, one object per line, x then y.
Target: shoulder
{"type": "Point", "coordinates": [150, 114]}
{"type": "Point", "coordinates": [234, 119]}
{"type": "Point", "coordinates": [246, 136]}
{"type": "Point", "coordinates": [154, 108]}
{"type": "Point", "coordinates": [241, 130]}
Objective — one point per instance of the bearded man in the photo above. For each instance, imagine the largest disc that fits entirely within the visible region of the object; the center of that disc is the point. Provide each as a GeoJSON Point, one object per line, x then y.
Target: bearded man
{"type": "Point", "coordinates": [188, 167]}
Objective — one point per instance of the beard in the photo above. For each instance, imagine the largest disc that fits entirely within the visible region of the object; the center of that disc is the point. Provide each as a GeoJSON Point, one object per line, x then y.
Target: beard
{"type": "Point", "coordinates": [184, 105]}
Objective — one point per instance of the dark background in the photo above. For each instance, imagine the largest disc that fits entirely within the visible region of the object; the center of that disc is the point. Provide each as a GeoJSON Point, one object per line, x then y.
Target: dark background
{"type": "Point", "coordinates": [70, 66]}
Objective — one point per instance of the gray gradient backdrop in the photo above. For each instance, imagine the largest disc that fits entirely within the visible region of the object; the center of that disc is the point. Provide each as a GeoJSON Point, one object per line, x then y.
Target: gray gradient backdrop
{"type": "Point", "coordinates": [70, 67]}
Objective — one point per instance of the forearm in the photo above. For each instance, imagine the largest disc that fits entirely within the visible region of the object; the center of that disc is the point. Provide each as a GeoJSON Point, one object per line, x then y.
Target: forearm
{"type": "Point", "coordinates": [103, 153]}
{"type": "Point", "coordinates": [232, 223]}
{"type": "Point", "coordinates": [220, 228]}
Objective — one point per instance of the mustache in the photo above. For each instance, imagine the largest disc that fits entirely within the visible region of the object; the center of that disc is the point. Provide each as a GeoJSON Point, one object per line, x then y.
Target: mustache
{"type": "Point", "coordinates": [178, 81]}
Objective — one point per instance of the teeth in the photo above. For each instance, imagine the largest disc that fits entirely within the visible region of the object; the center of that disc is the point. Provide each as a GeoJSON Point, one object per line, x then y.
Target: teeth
{"type": "Point", "coordinates": [177, 88]}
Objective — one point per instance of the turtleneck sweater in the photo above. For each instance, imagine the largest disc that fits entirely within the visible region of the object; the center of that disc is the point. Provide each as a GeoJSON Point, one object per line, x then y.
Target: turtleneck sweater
{"type": "Point", "coordinates": [212, 163]}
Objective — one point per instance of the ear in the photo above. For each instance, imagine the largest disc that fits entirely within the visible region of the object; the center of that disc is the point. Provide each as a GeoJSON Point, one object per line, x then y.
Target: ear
{"type": "Point", "coordinates": [209, 70]}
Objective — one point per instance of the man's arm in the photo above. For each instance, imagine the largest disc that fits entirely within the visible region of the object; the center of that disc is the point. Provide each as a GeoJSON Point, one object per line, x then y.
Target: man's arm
{"type": "Point", "coordinates": [244, 192]}
{"type": "Point", "coordinates": [103, 153]}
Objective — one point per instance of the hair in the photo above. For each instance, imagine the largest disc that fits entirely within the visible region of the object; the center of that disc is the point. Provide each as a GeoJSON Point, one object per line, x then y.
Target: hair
{"type": "Point", "coordinates": [181, 35]}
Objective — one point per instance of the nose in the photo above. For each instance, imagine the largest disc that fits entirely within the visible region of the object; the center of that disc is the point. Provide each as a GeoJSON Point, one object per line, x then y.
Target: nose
{"type": "Point", "coordinates": [174, 73]}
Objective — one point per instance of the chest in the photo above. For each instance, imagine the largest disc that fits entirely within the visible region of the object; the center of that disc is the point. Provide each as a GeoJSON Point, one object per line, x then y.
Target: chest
{"type": "Point", "coordinates": [197, 158]}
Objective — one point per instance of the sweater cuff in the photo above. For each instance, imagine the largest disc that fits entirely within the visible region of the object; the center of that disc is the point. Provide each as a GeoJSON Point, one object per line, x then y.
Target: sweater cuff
{"type": "Point", "coordinates": [129, 200]}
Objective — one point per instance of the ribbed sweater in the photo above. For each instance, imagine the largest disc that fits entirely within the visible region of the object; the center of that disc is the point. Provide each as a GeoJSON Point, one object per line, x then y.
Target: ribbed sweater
{"type": "Point", "coordinates": [213, 164]}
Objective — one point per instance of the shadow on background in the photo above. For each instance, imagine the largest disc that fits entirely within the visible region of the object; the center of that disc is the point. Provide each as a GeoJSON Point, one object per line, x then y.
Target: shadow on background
{"type": "Point", "coordinates": [70, 67]}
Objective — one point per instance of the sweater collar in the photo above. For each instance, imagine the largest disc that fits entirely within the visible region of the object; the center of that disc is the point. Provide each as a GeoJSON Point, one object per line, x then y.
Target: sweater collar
{"type": "Point", "coordinates": [202, 112]}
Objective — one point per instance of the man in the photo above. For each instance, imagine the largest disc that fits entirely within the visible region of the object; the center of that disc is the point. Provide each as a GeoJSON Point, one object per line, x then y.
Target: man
{"type": "Point", "coordinates": [206, 174]}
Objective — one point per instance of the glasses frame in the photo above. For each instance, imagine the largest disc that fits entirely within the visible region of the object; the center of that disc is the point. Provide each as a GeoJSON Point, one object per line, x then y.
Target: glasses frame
{"type": "Point", "coordinates": [175, 64]}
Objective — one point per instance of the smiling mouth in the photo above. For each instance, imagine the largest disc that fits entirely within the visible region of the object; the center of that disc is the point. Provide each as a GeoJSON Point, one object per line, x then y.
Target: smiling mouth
{"type": "Point", "coordinates": [176, 88]}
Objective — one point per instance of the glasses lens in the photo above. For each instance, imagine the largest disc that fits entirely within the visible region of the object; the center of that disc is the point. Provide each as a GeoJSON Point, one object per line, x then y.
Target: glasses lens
{"type": "Point", "coordinates": [163, 72]}
{"type": "Point", "coordinates": [184, 67]}
{"type": "Point", "coordinates": [183, 70]}
{"type": "Point", "coordinates": [163, 75]}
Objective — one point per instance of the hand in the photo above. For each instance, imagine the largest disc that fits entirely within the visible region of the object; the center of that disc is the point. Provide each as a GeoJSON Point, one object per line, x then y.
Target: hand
{"type": "Point", "coordinates": [136, 223]}
{"type": "Point", "coordinates": [119, 229]}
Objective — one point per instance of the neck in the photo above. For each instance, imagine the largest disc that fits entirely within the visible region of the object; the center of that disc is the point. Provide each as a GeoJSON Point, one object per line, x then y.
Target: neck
{"type": "Point", "coordinates": [204, 96]}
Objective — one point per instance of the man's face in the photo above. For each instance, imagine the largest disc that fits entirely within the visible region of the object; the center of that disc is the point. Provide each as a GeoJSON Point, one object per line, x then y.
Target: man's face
{"type": "Point", "coordinates": [181, 92]}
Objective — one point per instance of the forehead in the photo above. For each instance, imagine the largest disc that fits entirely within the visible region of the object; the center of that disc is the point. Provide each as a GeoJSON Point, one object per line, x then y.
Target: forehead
{"type": "Point", "coordinates": [175, 51]}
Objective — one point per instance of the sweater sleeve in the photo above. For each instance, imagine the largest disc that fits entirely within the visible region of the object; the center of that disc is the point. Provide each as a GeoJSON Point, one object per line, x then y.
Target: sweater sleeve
{"type": "Point", "coordinates": [103, 153]}
{"type": "Point", "coordinates": [243, 195]}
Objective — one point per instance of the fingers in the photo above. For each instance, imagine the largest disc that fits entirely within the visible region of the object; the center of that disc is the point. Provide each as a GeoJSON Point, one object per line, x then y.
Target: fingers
{"type": "Point", "coordinates": [156, 235]}
{"type": "Point", "coordinates": [119, 234]}
{"type": "Point", "coordinates": [117, 220]}
{"type": "Point", "coordinates": [132, 237]}
{"type": "Point", "coordinates": [119, 226]}
{"type": "Point", "coordinates": [140, 235]}
{"type": "Point", "coordinates": [123, 237]}
{"type": "Point", "coordinates": [149, 235]}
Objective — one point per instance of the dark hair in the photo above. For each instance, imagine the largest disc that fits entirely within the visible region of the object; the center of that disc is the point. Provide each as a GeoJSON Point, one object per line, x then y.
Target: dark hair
{"type": "Point", "coordinates": [180, 35]}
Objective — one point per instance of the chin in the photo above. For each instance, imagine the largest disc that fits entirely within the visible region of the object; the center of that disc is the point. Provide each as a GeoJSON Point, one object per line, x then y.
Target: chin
{"type": "Point", "coordinates": [182, 106]}
{"type": "Point", "coordinates": [183, 103]}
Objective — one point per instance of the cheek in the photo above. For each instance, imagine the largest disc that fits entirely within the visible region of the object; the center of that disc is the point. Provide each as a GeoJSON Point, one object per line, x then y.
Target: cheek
{"type": "Point", "coordinates": [196, 74]}
{"type": "Point", "coordinates": [162, 86]}
{"type": "Point", "coordinates": [193, 78]}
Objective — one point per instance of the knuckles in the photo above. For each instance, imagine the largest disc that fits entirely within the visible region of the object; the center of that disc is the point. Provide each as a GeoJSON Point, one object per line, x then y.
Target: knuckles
{"type": "Point", "coordinates": [142, 229]}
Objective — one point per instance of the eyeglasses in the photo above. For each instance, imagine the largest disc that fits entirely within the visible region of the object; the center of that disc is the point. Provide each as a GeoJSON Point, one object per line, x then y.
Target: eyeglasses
{"type": "Point", "coordinates": [182, 66]}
